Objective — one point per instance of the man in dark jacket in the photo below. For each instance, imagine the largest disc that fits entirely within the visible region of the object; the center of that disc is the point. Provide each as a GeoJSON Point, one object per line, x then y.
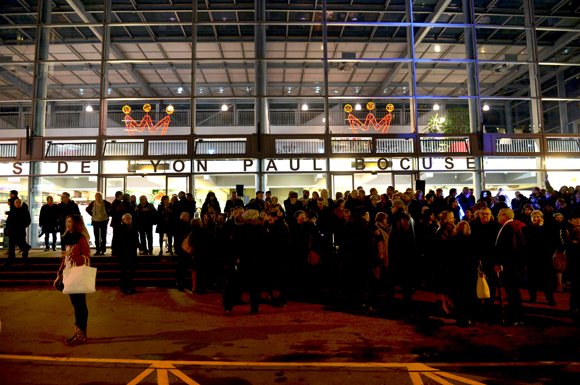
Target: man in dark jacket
{"type": "Point", "coordinates": [124, 247]}
{"type": "Point", "coordinates": [291, 206]}
{"type": "Point", "coordinates": [116, 221]}
{"type": "Point", "coordinates": [66, 207]}
{"type": "Point", "coordinates": [501, 204]}
{"type": "Point", "coordinates": [182, 230]}
{"type": "Point", "coordinates": [233, 202]}
{"type": "Point", "coordinates": [466, 200]}
{"type": "Point", "coordinates": [145, 215]}
{"type": "Point", "coordinates": [118, 210]}
{"type": "Point", "coordinates": [16, 225]}
{"type": "Point", "coordinates": [402, 251]}
{"type": "Point", "coordinates": [257, 204]}
{"type": "Point", "coordinates": [484, 233]}
{"type": "Point", "coordinates": [509, 247]}
{"type": "Point", "coordinates": [48, 222]}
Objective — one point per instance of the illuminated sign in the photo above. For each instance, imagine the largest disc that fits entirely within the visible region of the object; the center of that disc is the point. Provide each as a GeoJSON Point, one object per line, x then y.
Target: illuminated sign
{"type": "Point", "coordinates": [370, 120]}
{"type": "Point", "coordinates": [146, 122]}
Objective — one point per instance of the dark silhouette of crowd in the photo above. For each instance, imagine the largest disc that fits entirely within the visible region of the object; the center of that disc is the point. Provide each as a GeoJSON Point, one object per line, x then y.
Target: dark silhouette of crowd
{"type": "Point", "coordinates": [360, 245]}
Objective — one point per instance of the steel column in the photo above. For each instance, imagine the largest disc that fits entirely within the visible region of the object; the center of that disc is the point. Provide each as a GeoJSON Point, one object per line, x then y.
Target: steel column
{"type": "Point", "coordinates": [41, 69]}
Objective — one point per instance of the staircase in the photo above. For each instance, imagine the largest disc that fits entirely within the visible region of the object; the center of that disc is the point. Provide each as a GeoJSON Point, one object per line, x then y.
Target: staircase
{"type": "Point", "coordinates": [151, 272]}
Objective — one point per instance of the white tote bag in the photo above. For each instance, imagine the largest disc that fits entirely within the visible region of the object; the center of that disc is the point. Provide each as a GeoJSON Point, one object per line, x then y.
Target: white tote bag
{"type": "Point", "coordinates": [80, 279]}
{"type": "Point", "coordinates": [483, 291]}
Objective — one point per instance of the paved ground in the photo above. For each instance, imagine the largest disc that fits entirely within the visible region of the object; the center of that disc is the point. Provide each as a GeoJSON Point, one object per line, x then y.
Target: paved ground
{"type": "Point", "coordinates": [163, 327]}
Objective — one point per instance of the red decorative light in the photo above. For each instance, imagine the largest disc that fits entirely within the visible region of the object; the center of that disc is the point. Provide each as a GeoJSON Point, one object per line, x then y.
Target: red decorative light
{"type": "Point", "coordinates": [146, 122]}
{"type": "Point", "coordinates": [383, 125]}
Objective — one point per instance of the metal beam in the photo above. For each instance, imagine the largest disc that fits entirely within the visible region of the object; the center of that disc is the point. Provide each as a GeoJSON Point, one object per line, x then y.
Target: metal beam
{"type": "Point", "coordinates": [419, 36]}
{"type": "Point", "coordinates": [19, 84]}
{"type": "Point", "coordinates": [544, 55]}
{"type": "Point", "coordinates": [80, 10]}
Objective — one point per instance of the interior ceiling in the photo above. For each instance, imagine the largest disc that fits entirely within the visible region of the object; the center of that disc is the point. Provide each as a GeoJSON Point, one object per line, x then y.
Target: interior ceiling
{"type": "Point", "coordinates": [162, 54]}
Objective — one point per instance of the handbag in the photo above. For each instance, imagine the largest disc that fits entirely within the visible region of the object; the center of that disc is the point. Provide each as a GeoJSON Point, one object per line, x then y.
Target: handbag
{"type": "Point", "coordinates": [186, 246]}
{"type": "Point", "coordinates": [559, 261]}
{"type": "Point", "coordinates": [313, 258]}
{"type": "Point", "coordinates": [483, 291]}
{"type": "Point", "coordinates": [57, 284]}
{"type": "Point", "coordinates": [80, 279]}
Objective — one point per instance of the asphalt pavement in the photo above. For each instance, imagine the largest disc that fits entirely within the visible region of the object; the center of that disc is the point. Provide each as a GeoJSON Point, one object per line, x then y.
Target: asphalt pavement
{"type": "Point", "coordinates": [165, 336]}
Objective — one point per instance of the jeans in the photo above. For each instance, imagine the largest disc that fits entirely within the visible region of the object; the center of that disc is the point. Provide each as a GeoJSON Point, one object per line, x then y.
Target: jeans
{"type": "Point", "coordinates": [46, 240]}
{"type": "Point", "coordinates": [100, 231]}
{"type": "Point", "coordinates": [79, 302]}
{"type": "Point", "coordinates": [146, 234]}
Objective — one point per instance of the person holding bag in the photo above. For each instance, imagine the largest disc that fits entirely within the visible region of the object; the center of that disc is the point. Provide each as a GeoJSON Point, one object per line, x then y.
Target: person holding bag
{"type": "Point", "coordinates": [76, 246]}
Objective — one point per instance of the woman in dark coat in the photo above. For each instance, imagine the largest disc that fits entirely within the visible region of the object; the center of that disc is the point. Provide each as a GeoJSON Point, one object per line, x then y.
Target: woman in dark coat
{"type": "Point", "coordinates": [462, 274]}
{"type": "Point", "coordinates": [444, 262]}
{"type": "Point", "coordinates": [541, 243]}
{"type": "Point", "coordinates": [211, 200]}
{"type": "Point", "coordinates": [163, 227]}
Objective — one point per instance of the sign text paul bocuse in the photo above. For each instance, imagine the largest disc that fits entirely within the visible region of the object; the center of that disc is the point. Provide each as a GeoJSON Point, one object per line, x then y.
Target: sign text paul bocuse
{"type": "Point", "coordinates": [251, 165]}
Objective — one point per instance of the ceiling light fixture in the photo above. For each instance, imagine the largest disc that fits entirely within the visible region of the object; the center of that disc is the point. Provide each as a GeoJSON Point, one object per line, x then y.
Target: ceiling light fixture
{"type": "Point", "coordinates": [179, 90]}
{"type": "Point", "coordinates": [436, 107]}
{"type": "Point", "coordinates": [89, 108]}
{"type": "Point", "coordinates": [357, 107]}
{"type": "Point", "coordinates": [305, 107]}
{"type": "Point", "coordinates": [486, 107]}
{"type": "Point", "coordinates": [224, 107]}
{"type": "Point", "coordinates": [437, 48]}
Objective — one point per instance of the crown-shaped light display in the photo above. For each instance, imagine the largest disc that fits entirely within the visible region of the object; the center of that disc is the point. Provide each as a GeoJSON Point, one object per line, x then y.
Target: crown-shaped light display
{"type": "Point", "coordinates": [382, 126]}
{"type": "Point", "coordinates": [146, 122]}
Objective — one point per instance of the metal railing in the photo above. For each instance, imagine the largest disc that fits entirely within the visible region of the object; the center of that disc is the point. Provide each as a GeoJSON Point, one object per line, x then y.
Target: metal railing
{"type": "Point", "coordinates": [8, 150]}
{"type": "Point", "coordinates": [351, 146]}
{"type": "Point", "coordinates": [220, 147]}
{"type": "Point", "coordinates": [62, 149]}
{"type": "Point", "coordinates": [563, 145]}
{"type": "Point", "coordinates": [524, 145]}
{"type": "Point", "coordinates": [299, 146]}
{"type": "Point", "coordinates": [443, 145]}
{"type": "Point", "coordinates": [120, 148]}
{"type": "Point", "coordinates": [167, 147]}
{"type": "Point", "coordinates": [9, 121]}
{"type": "Point", "coordinates": [336, 118]}
{"type": "Point", "coordinates": [395, 146]}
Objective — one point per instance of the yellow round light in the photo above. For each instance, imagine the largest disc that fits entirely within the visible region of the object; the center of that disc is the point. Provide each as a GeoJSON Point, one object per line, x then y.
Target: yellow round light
{"type": "Point", "coordinates": [348, 108]}
{"type": "Point", "coordinates": [169, 110]}
{"type": "Point", "coordinates": [147, 107]}
{"type": "Point", "coordinates": [126, 109]}
{"type": "Point", "coordinates": [370, 106]}
{"type": "Point", "coordinates": [390, 107]}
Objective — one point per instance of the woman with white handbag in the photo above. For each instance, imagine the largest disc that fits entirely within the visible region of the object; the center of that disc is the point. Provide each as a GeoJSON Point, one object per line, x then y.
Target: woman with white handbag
{"type": "Point", "coordinates": [77, 251]}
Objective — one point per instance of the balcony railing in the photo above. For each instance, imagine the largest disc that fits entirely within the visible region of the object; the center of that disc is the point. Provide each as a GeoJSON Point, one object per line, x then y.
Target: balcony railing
{"type": "Point", "coordinates": [567, 145]}
{"type": "Point", "coordinates": [443, 145]}
{"type": "Point", "coordinates": [72, 149]}
{"type": "Point", "coordinates": [167, 147]}
{"type": "Point", "coordinates": [527, 145]}
{"type": "Point", "coordinates": [8, 150]}
{"type": "Point", "coordinates": [299, 146]}
{"type": "Point", "coordinates": [394, 146]}
{"type": "Point", "coordinates": [351, 146]}
{"type": "Point", "coordinates": [124, 148]}
{"type": "Point", "coordinates": [10, 121]}
{"type": "Point", "coordinates": [220, 147]}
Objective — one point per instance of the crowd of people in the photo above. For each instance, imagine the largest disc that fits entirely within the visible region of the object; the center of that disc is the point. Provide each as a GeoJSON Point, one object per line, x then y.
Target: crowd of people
{"type": "Point", "coordinates": [372, 242]}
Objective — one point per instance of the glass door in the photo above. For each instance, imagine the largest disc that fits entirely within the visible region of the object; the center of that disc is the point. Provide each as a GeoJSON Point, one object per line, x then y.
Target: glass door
{"type": "Point", "coordinates": [378, 180]}
{"type": "Point", "coordinates": [112, 185]}
{"type": "Point", "coordinates": [175, 184]}
{"type": "Point", "coordinates": [341, 183]}
{"type": "Point", "coordinates": [404, 181]}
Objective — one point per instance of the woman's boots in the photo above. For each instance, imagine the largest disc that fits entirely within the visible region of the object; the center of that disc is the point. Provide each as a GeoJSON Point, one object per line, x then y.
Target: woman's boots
{"type": "Point", "coordinates": [79, 337]}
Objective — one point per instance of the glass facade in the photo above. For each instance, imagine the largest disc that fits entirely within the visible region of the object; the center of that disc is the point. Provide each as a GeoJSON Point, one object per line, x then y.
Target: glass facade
{"type": "Point", "coordinates": [150, 98]}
